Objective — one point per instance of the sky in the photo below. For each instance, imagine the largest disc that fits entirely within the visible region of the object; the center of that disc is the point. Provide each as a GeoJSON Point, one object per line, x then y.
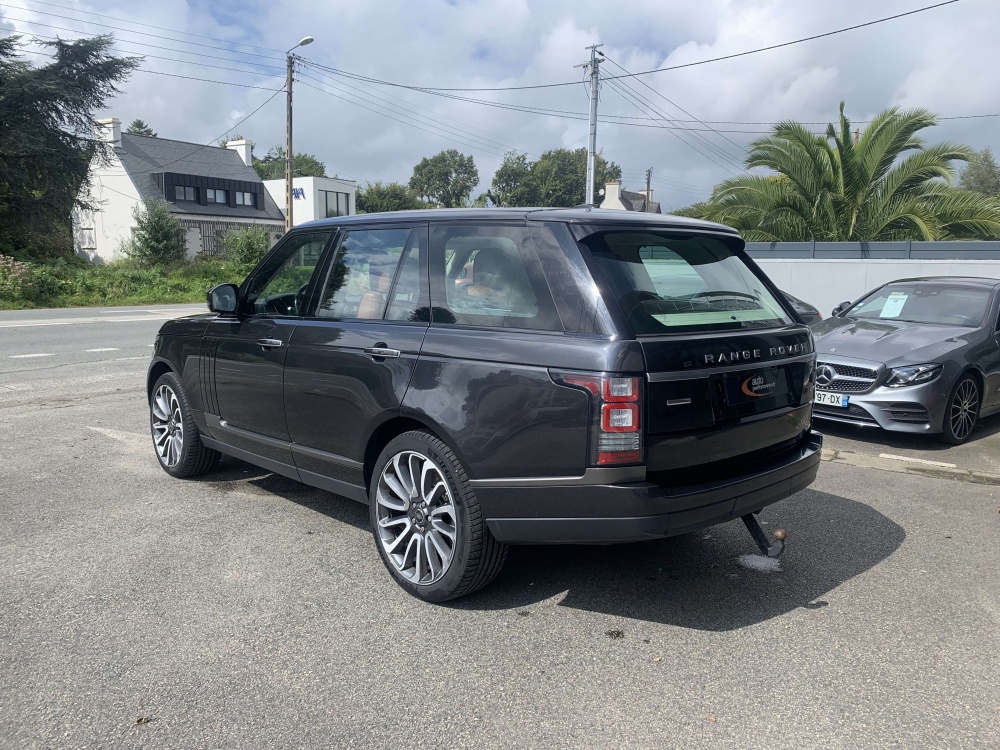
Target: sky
{"type": "Point", "coordinates": [945, 59]}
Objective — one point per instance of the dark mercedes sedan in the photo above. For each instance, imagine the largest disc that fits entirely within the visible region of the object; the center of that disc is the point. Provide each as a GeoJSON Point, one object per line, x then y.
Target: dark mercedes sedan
{"type": "Point", "coordinates": [915, 355]}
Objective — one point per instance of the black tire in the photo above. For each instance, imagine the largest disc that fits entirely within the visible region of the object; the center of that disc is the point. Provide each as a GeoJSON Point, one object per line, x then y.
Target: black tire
{"type": "Point", "coordinates": [962, 412]}
{"type": "Point", "coordinates": [191, 458]}
{"type": "Point", "coordinates": [476, 557]}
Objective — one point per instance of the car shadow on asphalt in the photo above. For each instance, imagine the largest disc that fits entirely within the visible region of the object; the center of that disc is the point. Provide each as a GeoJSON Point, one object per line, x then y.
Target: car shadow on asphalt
{"type": "Point", "coordinates": [704, 581]}
{"type": "Point", "coordinates": [233, 475]}
{"type": "Point", "coordinates": [986, 428]}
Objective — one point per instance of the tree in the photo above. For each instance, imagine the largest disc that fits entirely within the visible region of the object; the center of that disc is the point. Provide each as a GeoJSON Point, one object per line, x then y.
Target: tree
{"type": "Point", "coordinates": [157, 237]}
{"type": "Point", "coordinates": [446, 178]}
{"type": "Point", "coordinates": [138, 127]}
{"type": "Point", "coordinates": [981, 174]}
{"type": "Point", "coordinates": [887, 186]}
{"type": "Point", "coordinates": [272, 166]}
{"type": "Point", "coordinates": [374, 197]}
{"type": "Point", "coordinates": [47, 138]}
{"type": "Point", "coordinates": [513, 183]}
{"type": "Point", "coordinates": [558, 178]}
{"type": "Point", "coordinates": [244, 248]}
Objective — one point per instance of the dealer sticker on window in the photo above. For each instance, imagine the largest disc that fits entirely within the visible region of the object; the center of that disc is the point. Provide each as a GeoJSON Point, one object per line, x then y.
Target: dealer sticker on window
{"type": "Point", "coordinates": [893, 305]}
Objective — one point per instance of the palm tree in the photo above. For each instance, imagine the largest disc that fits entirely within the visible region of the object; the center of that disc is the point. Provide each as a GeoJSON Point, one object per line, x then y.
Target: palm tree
{"type": "Point", "coordinates": [885, 186]}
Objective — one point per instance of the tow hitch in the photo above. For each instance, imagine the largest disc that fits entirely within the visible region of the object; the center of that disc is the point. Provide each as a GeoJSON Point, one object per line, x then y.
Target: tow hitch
{"type": "Point", "coordinates": [770, 550]}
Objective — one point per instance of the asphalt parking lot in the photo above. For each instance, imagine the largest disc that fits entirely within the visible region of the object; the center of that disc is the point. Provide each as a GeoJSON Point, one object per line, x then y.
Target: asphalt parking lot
{"type": "Point", "coordinates": [247, 611]}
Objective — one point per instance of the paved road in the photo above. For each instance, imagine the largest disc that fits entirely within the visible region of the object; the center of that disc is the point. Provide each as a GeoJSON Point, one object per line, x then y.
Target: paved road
{"type": "Point", "coordinates": [248, 611]}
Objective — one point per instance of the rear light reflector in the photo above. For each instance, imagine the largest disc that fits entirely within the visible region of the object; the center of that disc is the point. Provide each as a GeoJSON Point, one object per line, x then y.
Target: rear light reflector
{"type": "Point", "coordinates": [621, 457]}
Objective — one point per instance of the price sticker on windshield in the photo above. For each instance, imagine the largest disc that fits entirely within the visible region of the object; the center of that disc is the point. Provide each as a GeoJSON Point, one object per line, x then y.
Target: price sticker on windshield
{"type": "Point", "coordinates": [894, 305]}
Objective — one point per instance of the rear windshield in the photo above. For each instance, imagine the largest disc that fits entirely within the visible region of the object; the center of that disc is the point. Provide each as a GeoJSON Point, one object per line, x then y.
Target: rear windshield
{"type": "Point", "coordinates": [668, 283]}
{"type": "Point", "coordinates": [934, 304]}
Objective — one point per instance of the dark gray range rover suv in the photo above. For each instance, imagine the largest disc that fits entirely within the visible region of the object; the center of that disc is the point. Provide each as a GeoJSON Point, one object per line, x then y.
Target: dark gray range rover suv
{"type": "Point", "coordinates": [507, 376]}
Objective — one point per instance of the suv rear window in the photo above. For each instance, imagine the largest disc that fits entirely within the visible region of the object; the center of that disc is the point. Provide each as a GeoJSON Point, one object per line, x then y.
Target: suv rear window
{"type": "Point", "coordinates": [669, 283]}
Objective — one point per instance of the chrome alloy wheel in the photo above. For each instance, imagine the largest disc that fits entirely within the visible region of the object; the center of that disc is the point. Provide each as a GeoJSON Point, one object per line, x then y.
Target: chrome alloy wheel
{"type": "Point", "coordinates": [168, 426]}
{"type": "Point", "coordinates": [417, 524]}
{"type": "Point", "coordinates": [964, 409]}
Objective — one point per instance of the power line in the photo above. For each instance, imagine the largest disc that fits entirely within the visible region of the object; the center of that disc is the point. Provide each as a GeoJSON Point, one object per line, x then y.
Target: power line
{"type": "Point", "coordinates": [435, 120]}
{"type": "Point", "coordinates": [648, 106]}
{"type": "Point", "coordinates": [691, 64]}
{"type": "Point", "coordinates": [154, 26]}
{"type": "Point", "coordinates": [130, 31]}
{"type": "Point", "coordinates": [122, 51]}
{"type": "Point", "coordinates": [86, 35]}
{"type": "Point", "coordinates": [404, 122]}
{"type": "Point", "coordinates": [615, 86]}
{"type": "Point", "coordinates": [205, 80]}
{"type": "Point", "coordinates": [674, 104]}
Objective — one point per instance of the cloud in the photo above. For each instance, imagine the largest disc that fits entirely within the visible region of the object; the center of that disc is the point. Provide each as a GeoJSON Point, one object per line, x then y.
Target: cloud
{"type": "Point", "coordinates": [943, 59]}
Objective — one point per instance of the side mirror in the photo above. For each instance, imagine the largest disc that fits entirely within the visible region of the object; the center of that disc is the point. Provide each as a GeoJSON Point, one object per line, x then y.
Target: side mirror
{"type": "Point", "coordinates": [842, 307]}
{"type": "Point", "coordinates": [223, 299]}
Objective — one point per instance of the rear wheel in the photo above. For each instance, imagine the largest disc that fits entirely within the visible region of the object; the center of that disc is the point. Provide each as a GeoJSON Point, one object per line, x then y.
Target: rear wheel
{"type": "Point", "coordinates": [175, 435]}
{"type": "Point", "coordinates": [962, 411]}
{"type": "Point", "coordinates": [427, 523]}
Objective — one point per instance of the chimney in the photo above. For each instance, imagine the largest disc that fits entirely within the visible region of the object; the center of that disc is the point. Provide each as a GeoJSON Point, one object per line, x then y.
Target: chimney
{"type": "Point", "coordinates": [613, 190]}
{"type": "Point", "coordinates": [244, 148]}
{"type": "Point", "coordinates": [648, 194]}
{"type": "Point", "coordinates": [110, 129]}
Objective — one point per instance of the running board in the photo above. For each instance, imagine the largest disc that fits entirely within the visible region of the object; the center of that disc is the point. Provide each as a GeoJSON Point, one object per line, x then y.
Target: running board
{"type": "Point", "coordinates": [770, 550]}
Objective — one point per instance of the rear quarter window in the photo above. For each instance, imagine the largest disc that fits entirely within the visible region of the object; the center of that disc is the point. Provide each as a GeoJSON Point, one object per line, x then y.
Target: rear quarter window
{"type": "Point", "coordinates": [671, 283]}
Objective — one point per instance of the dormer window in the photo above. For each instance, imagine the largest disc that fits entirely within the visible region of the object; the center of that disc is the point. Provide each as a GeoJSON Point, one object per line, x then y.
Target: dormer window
{"type": "Point", "coordinates": [245, 199]}
{"type": "Point", "coordinates": [182, 193]}
{"type": "Point", "coordinates": [217, 196]}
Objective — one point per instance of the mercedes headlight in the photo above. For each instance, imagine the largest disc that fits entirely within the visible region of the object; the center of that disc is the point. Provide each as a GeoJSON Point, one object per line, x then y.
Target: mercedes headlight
{"type": "Point", "coordinates": [913, 375]}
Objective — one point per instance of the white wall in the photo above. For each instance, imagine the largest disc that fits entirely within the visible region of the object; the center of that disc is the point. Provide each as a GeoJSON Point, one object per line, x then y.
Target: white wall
{"type": "Point", "coordinates": [309, 207]}
{"type": "Point", "coordinates": [825, 283]}
{"type": "Point", "coordinates": [111, 224]}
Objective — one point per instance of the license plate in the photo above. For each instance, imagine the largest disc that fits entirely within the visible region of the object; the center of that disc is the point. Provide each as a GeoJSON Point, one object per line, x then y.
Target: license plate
{"type": "Point", "coordinates": [831, 399]}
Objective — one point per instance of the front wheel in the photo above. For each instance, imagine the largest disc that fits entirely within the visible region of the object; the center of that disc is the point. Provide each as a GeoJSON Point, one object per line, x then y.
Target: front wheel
{"type": "Point", "coordinates": [962, 411]}
{"type": "Point", "coordinates": [175, 435]}
{"type": "Point", "coordinates": [427, 523]}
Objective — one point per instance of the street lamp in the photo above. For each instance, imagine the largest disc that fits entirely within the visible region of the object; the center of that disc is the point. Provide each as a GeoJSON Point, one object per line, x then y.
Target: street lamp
{"type": "Point", "coordinates": [288, 128]}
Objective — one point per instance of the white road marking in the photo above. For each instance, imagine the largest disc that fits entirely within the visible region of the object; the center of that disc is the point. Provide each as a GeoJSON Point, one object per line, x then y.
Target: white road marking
{"type": "Point", "coordinates": [760, 563]}
{"type": "Point", "coordinates": [105, 349]}
{"type": "Point", "coordinates": [150, 344]}
{"type": "Point", "coordinates": [125, 359]}
{"type": "Point", "coordinates": [918, 460]}
{"type": "Point", "coordinates": [28, 356]}
{"type": "Point", "coordinates": [151, 316]}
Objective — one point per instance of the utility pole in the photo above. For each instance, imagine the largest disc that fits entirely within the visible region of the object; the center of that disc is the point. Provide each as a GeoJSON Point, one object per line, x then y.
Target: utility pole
{"type": "Point", "coordinates": [289, 77]}
{"type": "Point", "coordinates": [593, 72]}
{"type": "Point", "coordinates": [649, 178]}
{"type": "Point", "coordinates": [288, 142]}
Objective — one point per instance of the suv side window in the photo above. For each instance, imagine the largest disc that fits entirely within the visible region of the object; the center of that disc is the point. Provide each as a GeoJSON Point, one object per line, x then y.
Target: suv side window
{"type": "Point", "coordinates": [489, 275]}
{"type": "Point", "coordinates": [280, 286]}
{"type": "Point", "coordinates": [360, 278]}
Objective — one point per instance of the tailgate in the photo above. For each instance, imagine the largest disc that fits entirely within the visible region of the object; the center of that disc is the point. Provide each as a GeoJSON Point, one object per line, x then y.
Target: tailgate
{"type": "Point", "coordinates": [726, 400]}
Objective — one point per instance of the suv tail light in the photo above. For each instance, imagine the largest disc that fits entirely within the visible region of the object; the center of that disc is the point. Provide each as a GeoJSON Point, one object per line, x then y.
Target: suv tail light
{"type": "Point", "coordinates": [616, 408]}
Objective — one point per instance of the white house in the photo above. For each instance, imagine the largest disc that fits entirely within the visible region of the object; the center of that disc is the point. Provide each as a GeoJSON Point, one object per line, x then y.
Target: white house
{"type": "Point", "coordinates": [210, 189]}
{"type": "Point", "coordinates": [615, 196]}
{"type": "Point", "coordinates": [316, 197]}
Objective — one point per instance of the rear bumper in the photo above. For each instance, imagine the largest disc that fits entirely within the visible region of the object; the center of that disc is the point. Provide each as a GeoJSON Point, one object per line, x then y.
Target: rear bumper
{"type": "Point", "coordinates": [610, 513]}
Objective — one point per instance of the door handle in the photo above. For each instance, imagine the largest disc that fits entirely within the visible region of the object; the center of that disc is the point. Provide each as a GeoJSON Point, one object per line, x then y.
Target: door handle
{"type": "Point", "coordinates": [381, 351]}
{"type": "Point", "coordinates": [270, 343]}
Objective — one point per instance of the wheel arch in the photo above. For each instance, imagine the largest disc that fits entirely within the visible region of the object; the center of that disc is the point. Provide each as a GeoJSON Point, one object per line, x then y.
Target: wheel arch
{"type": "Point", "coordinates": [156, 369]}
{"type": "Point", "coordinates": [390, 430]}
